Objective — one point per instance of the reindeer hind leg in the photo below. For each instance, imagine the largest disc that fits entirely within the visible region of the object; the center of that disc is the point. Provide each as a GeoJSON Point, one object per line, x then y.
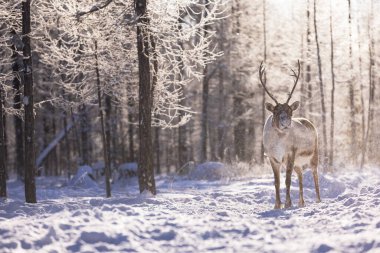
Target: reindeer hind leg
{"type": "Point", "coordinates": [314, 168]}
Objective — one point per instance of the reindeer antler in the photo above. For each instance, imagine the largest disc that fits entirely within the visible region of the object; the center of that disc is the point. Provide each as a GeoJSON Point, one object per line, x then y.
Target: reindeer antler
{"type": "Point", "coordinates": [295, 81]}
{"type": "Point", "coordinates": [263, 83]}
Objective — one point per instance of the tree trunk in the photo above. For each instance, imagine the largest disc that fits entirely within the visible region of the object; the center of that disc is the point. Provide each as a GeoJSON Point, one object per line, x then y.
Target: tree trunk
{"type": "Point", "coordinates": [263, 118]}
{"type": "Point", "coordinates": [45, 139]}
{"type": "Point", "coordinates": [104, 139]}
{"type": "Point", "coordinates": [332, 111]}
{"type": "Point", "coordinates": [303, 76]}
{"type": "Point", "coordinates": [221, 112]}
{"type": "Point", "coordinates": [352, 91]}
{"type": "Point", "coordinates": [109, 130]}
{"type": "Point", "coordinates": [238, 107]}
{"type": "Point", "coordinates": [182, 130]}
{"type": "Point", "coordinates": [77, 145]}
{"type": "Point", "coordinates": [67, 147]}
{"type": "Point", "coordinates": [212, 141]}
{"type": "Point", "coordinates": [239, 128]}
{"type": "Point", "coordinates": [145, 164]}
{"type": "Point", "coordinates": [363, 127]}
{"type": "Point", "coordinates": [5, 141]}
{"type": "Point", "coordinates": [3, 169]}
{"type": "Point", "coordinates": [371, 101]}
{"type": "Point", "coordinates": [157, 148]}
{"type": "Point", "coordinates": [30, 170]}
{"type": "Point", "coordinates": [308, 57]}
{"type": "Point", "coordinates": [84, 135]}
{"type": "Point", "coordinates": [204, 123]}
{"type": "Point", "coordinates": [18, 124]}
{"type": "Point", "coordinates": [321, 88]}
{"type": "Point", "coordinates": [54, 155]}
{"type": "Point", "coordinates": [205, 97]}
{"type": "Point", "coordinates": [131, 156]}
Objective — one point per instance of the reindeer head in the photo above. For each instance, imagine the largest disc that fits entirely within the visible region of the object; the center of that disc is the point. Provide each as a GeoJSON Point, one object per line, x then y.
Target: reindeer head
{"type": "Point", "coordinates": [282, 113]}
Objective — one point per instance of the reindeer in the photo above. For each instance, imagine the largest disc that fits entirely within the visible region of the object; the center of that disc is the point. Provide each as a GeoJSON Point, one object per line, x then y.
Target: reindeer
{"type": "Point", "coordinates": [290, 141]}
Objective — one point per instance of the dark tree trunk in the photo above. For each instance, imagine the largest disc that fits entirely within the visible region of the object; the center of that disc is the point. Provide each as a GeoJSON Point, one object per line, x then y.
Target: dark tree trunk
{"type": "Point", "coordinates": [110, 130]}
{"type": "Point", "coordinates": [321, 88]}
{"type": "Point", "coordinates": [104, 139]}
{"type": "Point", "coordinates": [205, 97]}
{"type": "Point", "coordinates": [45, 139]}
{"type": "Point", "coordinates": [18, 124]}
{"type": "Point", "coordinates": [5, 141]}
{"type": "Point", "coordinates": [131, 148]}
{"type": "Point", "coordinates": [238, 107]}
{"type": "Point", "coordinates": [54, 154]}
{"type": "Point", "coordinates": [332, 111]}
{"type": "Point", "coordinates": [182, 144]}
{"type": "Point", "coordinates": [29, 162]}
{"type": "Point", "coordinates": [221, 114]}
{"type": "Point", "coordinates": [122, 140]}
{"type": "Point", "coordinates": [67, 146]}
{"type": "Point", "coordinates": [213, 141]}
{"type": "Point", "coordinates": [182, 130]}
{"type": "Point", "coordinates": [239, 128]}
{"type": "Point", "coordinates": [204, 119]}
{"type": "Point", "coordinates": [77, 144]}
{"type": "Point", "coordinates": [3, 169]}
{"type": "Point", "coordinates": [84, 135]}
{"type": "Point", "coordinates": [145, 163]}
{"type": "Point", "coordinates": [157, 149]}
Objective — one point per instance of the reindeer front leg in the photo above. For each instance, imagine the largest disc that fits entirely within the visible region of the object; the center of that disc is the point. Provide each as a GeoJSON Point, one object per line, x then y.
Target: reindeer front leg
{"type": "Point", "coordinates": [288, 180]}
{"type": "Point", "coordinates": [276, 172]}
{"type": "Point", "coordinates": [301, 202]}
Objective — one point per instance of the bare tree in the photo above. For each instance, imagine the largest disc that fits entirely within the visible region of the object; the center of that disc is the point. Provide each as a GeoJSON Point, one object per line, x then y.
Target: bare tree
{"type": "Point", "coordinates": [205, 96]}
{"type": "Point", "coordinates": [19, 131]}
{"type": "Point", "coordinates": [321, 88]}
{"type": "Point", "coordinates": [371, 81]}
{"type": "Point", "coordinates": [30, 171]}
{"type": "Point", "coordinates": [105, 140]}
{"type": "Point", "coordinates": [332, 111]}
{"type": "Point", "coordinates": [3, 169]}
{"type": "Point", "coordinates": [145, 165]}
{"type": "Point", "coordinates": [308, 56]}
{"type": "Point", "coordinates": [351, 89]}
{"type": "Point", "coordinates": [263, 91]}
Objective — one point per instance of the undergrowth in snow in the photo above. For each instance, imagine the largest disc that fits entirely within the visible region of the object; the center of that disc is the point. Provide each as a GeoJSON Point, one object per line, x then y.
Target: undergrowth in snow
{"type": "Point", "coordinates": [191, 214]}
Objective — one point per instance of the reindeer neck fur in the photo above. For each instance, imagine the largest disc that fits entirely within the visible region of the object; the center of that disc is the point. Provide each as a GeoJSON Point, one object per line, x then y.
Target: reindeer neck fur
{"type": "Point", "coordinates": [300, 139]}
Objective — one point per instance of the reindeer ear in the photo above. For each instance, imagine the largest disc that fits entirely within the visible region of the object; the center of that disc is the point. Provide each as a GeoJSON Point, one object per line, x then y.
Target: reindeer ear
{"type": "Point", "coordinates": [295, 105]}
{"type": "Point", "coordinates": [269, 106]}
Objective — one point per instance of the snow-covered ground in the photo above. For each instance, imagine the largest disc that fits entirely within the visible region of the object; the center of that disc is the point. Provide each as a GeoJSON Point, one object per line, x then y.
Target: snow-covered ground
{"type": "Point", "coordinates": [194, 216]}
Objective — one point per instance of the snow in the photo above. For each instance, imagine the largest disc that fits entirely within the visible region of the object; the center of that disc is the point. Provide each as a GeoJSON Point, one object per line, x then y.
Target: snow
{"type": "Point", "coordinates": [84, 178]}
{"type": "Point", "coordinates": [234, 215]}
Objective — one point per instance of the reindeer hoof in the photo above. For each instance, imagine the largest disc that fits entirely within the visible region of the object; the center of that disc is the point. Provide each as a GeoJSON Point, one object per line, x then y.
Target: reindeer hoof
{"type": "Point", "coordinates": [277, 205]}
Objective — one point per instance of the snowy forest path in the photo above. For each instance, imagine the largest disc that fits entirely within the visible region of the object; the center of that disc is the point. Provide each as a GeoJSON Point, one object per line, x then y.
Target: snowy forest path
{"type": "Point", "coordinates": [195, 216]}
